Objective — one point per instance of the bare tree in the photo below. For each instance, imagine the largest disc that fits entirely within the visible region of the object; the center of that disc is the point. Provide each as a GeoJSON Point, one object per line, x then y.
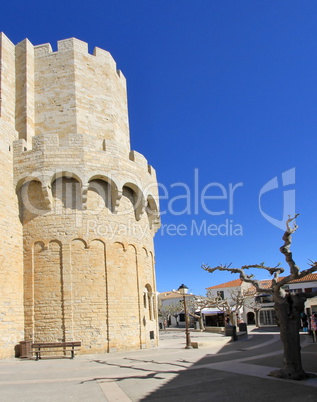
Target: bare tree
{"type": "Point", "coordinates": [288, 306]}
{"type": "Point", "coordinates": [171, 309]}
{"type": "Point", "coordinates": [232, 306]}
{"type": "Point", "coordinates": [195, 307]}
{"type": "Point", "coordinates": [256, 307]}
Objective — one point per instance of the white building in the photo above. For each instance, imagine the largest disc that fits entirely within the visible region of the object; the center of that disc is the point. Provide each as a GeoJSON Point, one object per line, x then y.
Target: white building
{"type": "Point", "coordinates": [174, 300]}
{"type": "Point", "coordinates": [214, 317]}
{"type": "Point", "coordinates": [264, 301]}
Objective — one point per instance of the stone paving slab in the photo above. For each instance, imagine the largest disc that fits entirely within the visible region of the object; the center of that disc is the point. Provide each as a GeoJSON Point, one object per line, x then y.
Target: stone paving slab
{"type": "Point", "coordinates": [224, 370]}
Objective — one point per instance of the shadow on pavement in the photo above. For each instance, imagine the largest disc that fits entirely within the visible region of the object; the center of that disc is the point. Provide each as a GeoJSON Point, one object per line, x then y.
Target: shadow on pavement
{"type": "Point", "coordinates": [217, 376]}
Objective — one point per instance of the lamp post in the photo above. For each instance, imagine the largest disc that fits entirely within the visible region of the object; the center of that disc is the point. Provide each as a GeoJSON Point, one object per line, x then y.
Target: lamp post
{"type": "Point", "coordinates": [183, 291]}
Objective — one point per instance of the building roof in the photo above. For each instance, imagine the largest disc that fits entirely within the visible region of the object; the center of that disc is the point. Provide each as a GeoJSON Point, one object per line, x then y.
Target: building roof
{"type": "Point", "coordinates": [172, 294]}
{"type": "Point", "coordinates": [231, 284]}
{"type": "Point", "coordinates": [265, 283]}
{"type": "Point", "coordinates": [307, 278]}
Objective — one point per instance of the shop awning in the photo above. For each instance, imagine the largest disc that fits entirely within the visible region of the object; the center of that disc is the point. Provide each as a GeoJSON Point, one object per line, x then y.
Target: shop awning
{"type": "Point", "coordinates": [210, 311]}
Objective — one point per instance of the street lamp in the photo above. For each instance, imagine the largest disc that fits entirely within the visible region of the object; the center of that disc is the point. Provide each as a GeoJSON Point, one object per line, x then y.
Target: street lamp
{"type": "Point", "coordinates": [183, 291]}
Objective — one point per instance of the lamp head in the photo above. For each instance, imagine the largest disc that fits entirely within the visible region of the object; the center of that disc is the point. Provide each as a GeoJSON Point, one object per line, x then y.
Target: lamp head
{"type": "Point", "coordinates": [183, 289]}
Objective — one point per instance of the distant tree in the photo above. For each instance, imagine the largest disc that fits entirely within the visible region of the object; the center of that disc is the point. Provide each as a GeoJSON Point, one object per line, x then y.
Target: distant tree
{"type": "Point", "coordinates": [195, 307]}
{"type": "Point", "coordinates": [288, 306]}
{"type": "Point", "coordinates": [168, 310]}
{"type": "Point", "coordinates": [231, 306]}
{"type": "Point", "coordinates": [256, 307]}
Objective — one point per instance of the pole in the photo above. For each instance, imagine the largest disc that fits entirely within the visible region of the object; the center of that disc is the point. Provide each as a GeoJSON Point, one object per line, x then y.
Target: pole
{"type": "Point", "coordinates": [188, 341]}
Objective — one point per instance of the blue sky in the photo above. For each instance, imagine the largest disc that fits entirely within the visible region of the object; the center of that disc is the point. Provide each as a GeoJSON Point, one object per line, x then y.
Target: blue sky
{"type": "Point", "coordinates": [221, 94]}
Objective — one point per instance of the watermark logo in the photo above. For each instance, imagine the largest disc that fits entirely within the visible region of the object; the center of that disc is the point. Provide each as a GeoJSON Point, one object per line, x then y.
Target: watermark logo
{"type": "Point", "coordinates": [202, 228]}
{"type": "Point", "coordinates": [213, 198]}
{"type": "Point", "coordinates": [106, 207]}
{"type": "Point", "coordinates": [288, 207]}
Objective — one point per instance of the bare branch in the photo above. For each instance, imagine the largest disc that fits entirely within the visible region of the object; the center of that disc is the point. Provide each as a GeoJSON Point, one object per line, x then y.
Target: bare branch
{"type": "Point", "coordinates": [169, 309]}
{"type": "Point", "coordinates": [271, 270]}
{"type": "Point", "coordinates": [285, 249]}
{"type": "Point", "coordinates": [289, 220]}
{"type": "Point", "coordinates": [300, 275]}
{"type": "Point", "coordinates": [243, 276]}
{"type": "Point", "coordinates": [219, 268]}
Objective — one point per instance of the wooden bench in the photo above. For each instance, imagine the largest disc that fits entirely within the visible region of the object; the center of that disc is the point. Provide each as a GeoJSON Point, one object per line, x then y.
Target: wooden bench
{"type": "Point", "coordinates": [53, 347]}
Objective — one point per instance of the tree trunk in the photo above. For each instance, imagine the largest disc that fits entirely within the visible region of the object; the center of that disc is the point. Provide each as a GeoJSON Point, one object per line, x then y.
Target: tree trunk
{"type": "Point", "coordinates": [233, 318]}
{"type": "Point", "coordinates": [288, 314]}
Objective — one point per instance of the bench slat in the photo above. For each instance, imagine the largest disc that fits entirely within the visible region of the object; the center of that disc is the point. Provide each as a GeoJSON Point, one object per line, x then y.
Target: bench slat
{"type": "Point", "coordinates": [54, 344]}
{"type": "Point", "coordinates": [66, 346]}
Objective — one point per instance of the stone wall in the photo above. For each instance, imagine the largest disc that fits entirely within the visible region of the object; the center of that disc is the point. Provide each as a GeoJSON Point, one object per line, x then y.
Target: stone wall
{"type": "Point", "coordinates": [11, 254]}
{"type": "Point", "coordinates": [87, 203]}
{"type": "Point", "coordinates": [76, 92]}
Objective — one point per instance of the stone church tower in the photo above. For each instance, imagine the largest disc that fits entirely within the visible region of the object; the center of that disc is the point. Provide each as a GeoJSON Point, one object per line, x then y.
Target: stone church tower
{"type": "Point", "coordinates": [79, 209]}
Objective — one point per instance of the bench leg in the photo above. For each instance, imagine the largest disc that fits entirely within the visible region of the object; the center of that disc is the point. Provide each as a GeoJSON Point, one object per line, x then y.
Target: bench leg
{"type": "Point", "coordinates": [37, 355]}
{"type": "Point", "coordinates": [73, 353]}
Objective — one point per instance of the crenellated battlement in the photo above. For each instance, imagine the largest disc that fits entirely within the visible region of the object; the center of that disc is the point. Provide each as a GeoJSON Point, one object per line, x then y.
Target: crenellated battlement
{"type": "Point", "coordinates": [69, 90]}
{"type": "Point", "coordinates": [78, 46]}
{"type": "Point", "coordinates": [42, 50]}
{"type": "Point", "coordinates": [51, 143]}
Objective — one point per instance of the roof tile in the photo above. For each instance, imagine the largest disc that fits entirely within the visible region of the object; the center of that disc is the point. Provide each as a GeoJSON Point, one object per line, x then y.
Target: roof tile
{"type": "Point", "coordinates": [265, 283]}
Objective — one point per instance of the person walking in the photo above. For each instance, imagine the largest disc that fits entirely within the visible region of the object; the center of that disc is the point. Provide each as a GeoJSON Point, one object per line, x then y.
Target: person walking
{"type": "Point", "coordinates": [304, 322]}
{"type": "Point", "coordinates": [313, 326]}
